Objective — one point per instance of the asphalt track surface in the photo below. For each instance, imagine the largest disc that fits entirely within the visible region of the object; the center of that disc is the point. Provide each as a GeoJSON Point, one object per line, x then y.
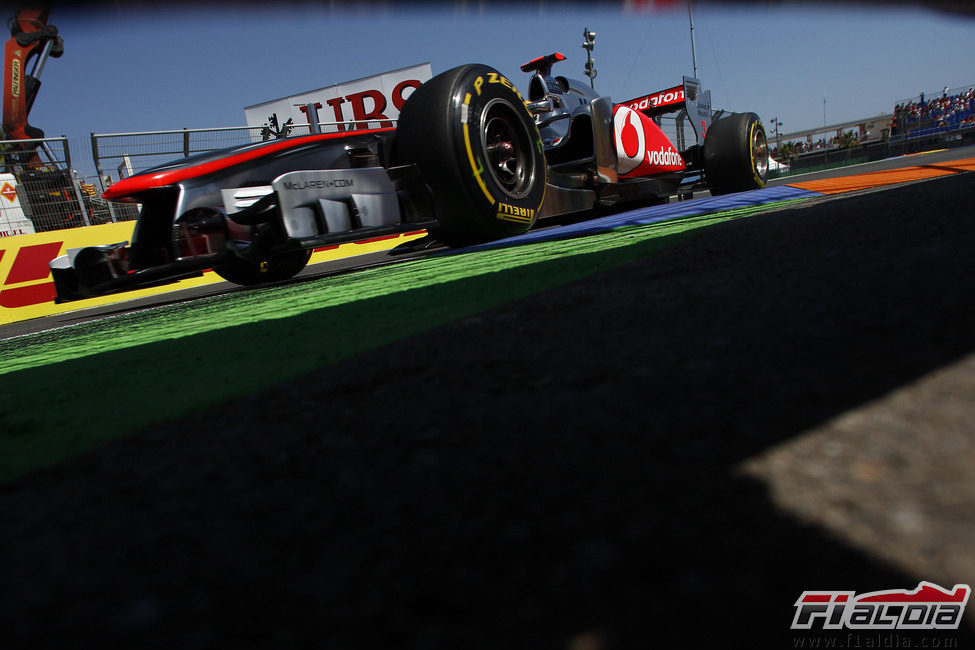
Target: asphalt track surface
{"type": "Point", "coordinates": [664, 454]}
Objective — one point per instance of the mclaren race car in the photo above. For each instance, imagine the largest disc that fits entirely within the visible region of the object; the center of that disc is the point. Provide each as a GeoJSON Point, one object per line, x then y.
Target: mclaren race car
{"type": "Point", "coordinates": [470, 160]}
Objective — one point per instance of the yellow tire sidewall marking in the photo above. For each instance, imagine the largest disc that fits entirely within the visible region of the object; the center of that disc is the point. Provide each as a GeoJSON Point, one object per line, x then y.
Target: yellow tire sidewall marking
{"type": "Point", "coordinates": [751, 154]}
{"type": "Point", "coordinates": [470, 152]}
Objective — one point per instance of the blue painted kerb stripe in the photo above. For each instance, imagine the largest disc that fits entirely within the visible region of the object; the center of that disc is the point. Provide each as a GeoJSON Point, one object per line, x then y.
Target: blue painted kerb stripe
{"type": "Point", "coordinates": [652, 214]}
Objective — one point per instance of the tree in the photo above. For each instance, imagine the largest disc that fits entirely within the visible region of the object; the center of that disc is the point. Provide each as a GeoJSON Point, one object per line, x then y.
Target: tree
{"type": "Point", "coordinates": [787, 153]}
{"type": "Point", "coordinates": [848, 140]}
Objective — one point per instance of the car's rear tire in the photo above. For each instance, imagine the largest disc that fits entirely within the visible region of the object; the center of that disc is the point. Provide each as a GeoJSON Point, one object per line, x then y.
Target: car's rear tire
{"type": "Point", "coordinates": [273, 269]}
{"type": "Point", "coordinates": [475, 143]}
{"type": "Point", "coordinates": [736, 154]}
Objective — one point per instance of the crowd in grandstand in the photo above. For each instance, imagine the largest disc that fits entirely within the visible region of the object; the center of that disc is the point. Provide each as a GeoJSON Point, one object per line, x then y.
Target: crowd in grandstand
{"type": "Point", "coordinates": [926, 116]}
{"type": "Point", "coordinates": [913, 118]}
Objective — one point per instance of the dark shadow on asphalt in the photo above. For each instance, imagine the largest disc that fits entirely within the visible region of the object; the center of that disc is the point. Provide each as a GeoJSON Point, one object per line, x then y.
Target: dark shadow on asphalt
{"type": "Point", "coordinates": [559, 468]}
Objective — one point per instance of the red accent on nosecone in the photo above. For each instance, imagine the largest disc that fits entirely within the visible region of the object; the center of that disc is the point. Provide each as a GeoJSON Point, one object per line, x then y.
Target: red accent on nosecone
{"type": "Point", "coordinates": [140, 183]}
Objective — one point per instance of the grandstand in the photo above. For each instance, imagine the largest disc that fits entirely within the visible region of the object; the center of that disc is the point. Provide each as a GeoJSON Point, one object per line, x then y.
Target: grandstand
{"type": "Point", "coordinates": [930, 120]}
{"type": "Point", "coordinates": [947, 111]}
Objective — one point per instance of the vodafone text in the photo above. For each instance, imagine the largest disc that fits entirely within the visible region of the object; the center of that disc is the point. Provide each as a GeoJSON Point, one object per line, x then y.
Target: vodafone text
{"type": "Point", "coordinates": [663, 98]}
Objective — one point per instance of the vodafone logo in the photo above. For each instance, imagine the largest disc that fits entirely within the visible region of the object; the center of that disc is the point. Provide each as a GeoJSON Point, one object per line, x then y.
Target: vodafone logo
{"type": "Point", "coordinates": [641, 147]}
{"type": "Point", "coordinates": [667, 97]}
{"type": "Point", "coordinates": [665, 158]}
{"type": "Point", "coordinates": [631, 141]}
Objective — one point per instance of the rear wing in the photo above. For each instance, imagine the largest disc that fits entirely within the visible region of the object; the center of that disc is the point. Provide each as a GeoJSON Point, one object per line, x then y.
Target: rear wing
{"type": "Point", "coordinates": [686, 97]}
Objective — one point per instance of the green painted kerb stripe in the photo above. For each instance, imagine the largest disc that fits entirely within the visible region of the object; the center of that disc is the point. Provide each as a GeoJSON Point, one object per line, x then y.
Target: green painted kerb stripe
{"type": "Point", "coordinates": [66, 391]}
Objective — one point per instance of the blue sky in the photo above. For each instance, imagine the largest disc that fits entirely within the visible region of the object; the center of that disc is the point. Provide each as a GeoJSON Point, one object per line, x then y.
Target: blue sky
{"type": "Point", "coordinates": [158, 66]}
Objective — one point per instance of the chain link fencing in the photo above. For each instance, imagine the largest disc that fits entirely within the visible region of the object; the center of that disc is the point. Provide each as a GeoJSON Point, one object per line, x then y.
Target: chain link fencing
{"type": "Point", "coordinates": [41, 191]}
{"type": "Point", "coordinates": [896, 146]}
{"type": "Point", "coordinates": [932, 113]}
{"type": "Point", "coordinates": [118, 155]}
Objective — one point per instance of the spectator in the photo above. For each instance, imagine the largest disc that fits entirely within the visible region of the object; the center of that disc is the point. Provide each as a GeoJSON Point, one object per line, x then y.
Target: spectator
{"type": "Point", "coordinates": [943, 113]}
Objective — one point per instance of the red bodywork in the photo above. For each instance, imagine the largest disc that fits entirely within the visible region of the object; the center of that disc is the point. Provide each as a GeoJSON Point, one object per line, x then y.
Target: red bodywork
{"type": "Point", "coordinates": [664, 100]}
{"type": "Point", "coordinates": [127, 188]}
{"type": "Point", "coordinates": [642, 149]}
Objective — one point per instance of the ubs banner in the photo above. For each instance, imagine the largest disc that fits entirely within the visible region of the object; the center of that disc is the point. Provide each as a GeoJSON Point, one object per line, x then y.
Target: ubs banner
{"type": "Point", "coordinates": [374, 99]}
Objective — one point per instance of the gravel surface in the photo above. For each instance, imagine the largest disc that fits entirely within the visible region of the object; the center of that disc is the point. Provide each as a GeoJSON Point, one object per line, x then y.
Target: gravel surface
{"type": "Point", "coordinates": [665, 454]}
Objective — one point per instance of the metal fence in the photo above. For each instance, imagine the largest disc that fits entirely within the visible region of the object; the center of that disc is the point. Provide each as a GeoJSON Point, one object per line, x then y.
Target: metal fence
{"type": "Point", "coordinates": [118, 155]}
{"type": "Point", "coordinates": [927, 115]}
{"type": "Point", "coordinates": [41, 191]}
{"type": "Point", "coordinates": [869, 152]}
{"type": "Point", "coordinates": [673, 128]}
{"type": "Point", "coordinates": [947, 92]}
{"type": "Point", "coordinates": [41, 186]}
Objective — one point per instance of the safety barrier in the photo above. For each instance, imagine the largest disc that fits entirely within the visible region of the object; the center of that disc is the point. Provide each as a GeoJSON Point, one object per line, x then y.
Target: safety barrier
{"type": "Point", "coordinates": [26, 287]}
{"type": "Point", "coordinates": [40, 190]}
{"type": "Point", "coordinates": [895, 146]}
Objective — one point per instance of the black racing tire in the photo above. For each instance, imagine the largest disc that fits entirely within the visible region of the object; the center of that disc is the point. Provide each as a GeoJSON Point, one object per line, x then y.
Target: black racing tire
{"type": "Point", "coordinates": [282, 266]}
{"type": "Point", "coordinates": [476, 146]}
{"type": "Point", "coordinates": [736, 154]}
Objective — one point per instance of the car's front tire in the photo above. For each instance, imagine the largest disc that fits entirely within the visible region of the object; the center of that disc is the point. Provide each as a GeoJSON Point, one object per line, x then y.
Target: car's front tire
{"type": "Point", "coordinates": [475, 143]}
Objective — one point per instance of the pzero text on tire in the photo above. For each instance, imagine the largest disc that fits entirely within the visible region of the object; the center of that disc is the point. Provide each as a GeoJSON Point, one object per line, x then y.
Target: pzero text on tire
{"type": "Point", "coordinates": [736, 154]}
{"type": "Point", "coordinates": [273, 269]}
{"type": "Point", "coordinates": [475, 143]}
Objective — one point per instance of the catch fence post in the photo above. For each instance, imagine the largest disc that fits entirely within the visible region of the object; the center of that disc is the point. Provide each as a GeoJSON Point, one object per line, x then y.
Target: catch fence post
{"type": "Point", "coordinates": [74, 180]}
{"type": "Point", "coordinates": [94, 159]}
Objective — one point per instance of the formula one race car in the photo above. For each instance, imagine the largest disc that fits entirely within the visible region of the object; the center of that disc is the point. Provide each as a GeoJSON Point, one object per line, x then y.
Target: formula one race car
{"type": "Point", "coordinates": [470, 160]}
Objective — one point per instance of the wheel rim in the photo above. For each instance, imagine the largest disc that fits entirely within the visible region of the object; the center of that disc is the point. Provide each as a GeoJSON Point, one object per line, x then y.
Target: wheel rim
{"type": "Point", "coordinates": [760, 152]}
{"type": "Point", "coordinates": [508, 148]}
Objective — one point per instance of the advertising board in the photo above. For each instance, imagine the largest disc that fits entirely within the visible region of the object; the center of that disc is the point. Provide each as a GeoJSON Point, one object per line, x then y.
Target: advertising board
{"type": "Point", "coordinates": [27, 289]}
{"type": "Point", "coordinates": [376, 98]}
{"type": "Point", "coordinates": [13, 221]}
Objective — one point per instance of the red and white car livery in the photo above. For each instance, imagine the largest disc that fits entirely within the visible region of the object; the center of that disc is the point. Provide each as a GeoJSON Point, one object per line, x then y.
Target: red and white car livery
{"type": "Point", "coordinates": [662, 99]}
{"type": "Point", "coordinates": [490, 164]}
{"type": "Point", "coordinates": [642, 148]}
